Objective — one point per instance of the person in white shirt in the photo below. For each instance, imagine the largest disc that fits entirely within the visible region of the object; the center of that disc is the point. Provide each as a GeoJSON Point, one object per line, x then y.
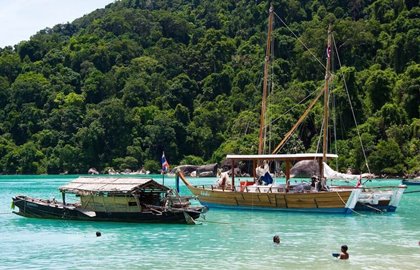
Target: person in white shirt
{"type": "Point", "coordinates": [224, 180]}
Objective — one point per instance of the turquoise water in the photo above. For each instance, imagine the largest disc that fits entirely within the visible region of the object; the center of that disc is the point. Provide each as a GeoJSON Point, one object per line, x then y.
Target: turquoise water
{"type": "Point", "coordinates": [226, 239]}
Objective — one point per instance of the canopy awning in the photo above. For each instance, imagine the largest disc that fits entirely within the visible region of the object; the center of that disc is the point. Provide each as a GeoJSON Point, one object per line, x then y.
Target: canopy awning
{"type": "Point", "coordinates": [117, 185]}
{"type": "Point", "coordinates": [281, 157]}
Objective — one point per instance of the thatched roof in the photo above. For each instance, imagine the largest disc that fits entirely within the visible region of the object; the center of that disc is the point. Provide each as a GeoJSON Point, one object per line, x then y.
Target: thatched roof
{"type": "Point", "coordinates": [116, 185]}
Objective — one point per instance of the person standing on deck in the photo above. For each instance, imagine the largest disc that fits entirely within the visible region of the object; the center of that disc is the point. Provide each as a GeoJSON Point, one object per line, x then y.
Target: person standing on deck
{"type": "Point", "coordinates": [263, 174]}
{"type": "Point", "coordinates": [259, 171]}
{"type": "Point", "coordinates": [224, 180]}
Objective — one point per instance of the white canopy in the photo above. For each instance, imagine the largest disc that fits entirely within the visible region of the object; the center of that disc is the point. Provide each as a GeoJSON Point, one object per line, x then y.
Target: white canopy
{"type": "Point", "coordinates": [306, 156]}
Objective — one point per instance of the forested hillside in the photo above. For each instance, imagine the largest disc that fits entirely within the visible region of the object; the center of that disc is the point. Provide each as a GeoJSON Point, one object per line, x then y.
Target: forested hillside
{"type": "Point", "coordinates": [117, 87]}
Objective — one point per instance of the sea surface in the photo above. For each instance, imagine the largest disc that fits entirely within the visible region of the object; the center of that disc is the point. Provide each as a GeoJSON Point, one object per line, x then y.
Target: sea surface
{"type": "Point", "coordinates": [226, 239]}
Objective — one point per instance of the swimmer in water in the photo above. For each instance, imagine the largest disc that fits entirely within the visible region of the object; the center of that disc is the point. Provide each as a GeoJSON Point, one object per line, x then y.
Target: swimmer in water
{"type": "Point", "coordinates": [344, 255]}
{"type": "Point", "coordinates": [276, 239]}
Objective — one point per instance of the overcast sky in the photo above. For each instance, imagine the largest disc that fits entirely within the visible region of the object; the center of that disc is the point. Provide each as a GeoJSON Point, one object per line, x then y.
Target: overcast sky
{"type": "Point", "coordinates": [20, 19]}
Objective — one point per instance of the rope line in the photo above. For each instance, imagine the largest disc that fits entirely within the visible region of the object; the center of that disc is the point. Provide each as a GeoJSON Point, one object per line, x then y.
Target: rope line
{"type": "Point", "coordinates": [374, 208]}
{"type": "Point", "coordinates": [351, 106]}
{"type": "Point", "coordinates": [300, 102]}
{"type": "Point", "coordinates": [345, 204]}
{"type": "Point", "coordinates": [301, 42]}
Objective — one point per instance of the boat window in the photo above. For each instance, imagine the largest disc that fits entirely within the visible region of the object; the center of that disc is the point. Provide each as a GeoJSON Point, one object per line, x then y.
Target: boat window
{"type": "Point", "coordinates": [132, 204]}
{"type": "Point", "coordinates": [150, 198]}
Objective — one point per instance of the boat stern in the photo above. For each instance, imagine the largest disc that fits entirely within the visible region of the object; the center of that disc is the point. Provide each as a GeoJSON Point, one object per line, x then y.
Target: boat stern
{"type": "Point", "coordinates": [396, 198]}
{"type": "Point", "coordinates": [353, 199]}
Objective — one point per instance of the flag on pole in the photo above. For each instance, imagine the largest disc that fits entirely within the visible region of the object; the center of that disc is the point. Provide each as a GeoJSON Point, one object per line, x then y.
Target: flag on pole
{"type": "Point", "coordinates": [165, 164]}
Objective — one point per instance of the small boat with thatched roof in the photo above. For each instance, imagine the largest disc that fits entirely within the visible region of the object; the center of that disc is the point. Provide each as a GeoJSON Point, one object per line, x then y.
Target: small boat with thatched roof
{"type": "Point", "coordinates": [114, 199]}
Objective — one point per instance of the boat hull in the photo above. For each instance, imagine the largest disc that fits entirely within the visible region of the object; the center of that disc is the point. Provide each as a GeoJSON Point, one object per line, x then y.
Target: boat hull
{"type": "Point", "coordinates": [414, 182]}
{"type": "Point", "coordinates": [36, 208]}
{"type": "Point", "coordinates": [377, 199]}
{"type": "Point", "coordinates": [316, 202]}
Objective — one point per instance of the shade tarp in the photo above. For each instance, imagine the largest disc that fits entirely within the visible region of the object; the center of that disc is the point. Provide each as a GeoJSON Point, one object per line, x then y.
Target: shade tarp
{"type": "Point", "coordinates": [281, 157]}
{"type": "Point", "coordinates": [110, 185]}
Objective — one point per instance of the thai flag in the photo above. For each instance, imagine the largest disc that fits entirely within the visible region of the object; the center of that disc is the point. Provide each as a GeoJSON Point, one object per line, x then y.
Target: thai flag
{"type": "Point", "coordinates": [165, 164]}
{"type": "Point", "coordinates": [359, 181]}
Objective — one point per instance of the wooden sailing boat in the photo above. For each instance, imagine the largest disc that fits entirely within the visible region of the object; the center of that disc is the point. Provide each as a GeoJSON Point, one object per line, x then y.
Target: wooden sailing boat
{"type": "Point", "coordinates": [276, 197]}
{"type": "Point", "coordinates": [379, 198]}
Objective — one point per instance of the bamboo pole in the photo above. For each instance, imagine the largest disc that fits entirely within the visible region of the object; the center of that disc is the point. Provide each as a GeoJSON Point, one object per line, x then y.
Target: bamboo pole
{"type": "Point", "coordinates": [326, 95]}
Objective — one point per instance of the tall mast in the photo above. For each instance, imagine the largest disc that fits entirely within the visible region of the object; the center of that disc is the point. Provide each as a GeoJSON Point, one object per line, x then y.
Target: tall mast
{"type": "Point", "coordinates": [326, 94]}
{"type": "Point", "coordinates": [264, 97]}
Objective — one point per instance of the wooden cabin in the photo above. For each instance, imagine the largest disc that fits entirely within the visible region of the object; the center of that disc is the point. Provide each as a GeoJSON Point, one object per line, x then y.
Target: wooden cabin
{"type": "Point", "coordinates": [116, 194]}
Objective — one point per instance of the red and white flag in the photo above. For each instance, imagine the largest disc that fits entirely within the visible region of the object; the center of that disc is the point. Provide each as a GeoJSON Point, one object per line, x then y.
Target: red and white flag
{"type": "Point", "coordinates": [165, 164]}
{"type": "Point", "coordinates": [359, 181]}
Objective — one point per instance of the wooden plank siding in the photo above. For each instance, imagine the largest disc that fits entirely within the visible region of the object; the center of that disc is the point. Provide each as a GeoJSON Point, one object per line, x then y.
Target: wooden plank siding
{"type": "Point", "coordinates": [272, 200]}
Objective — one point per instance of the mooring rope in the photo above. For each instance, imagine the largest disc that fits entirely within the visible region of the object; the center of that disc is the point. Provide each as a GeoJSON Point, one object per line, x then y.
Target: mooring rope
{"type": "Point", "coordinates": [345, 203]}
{"type": "Point", "coordinates": [374, 208]}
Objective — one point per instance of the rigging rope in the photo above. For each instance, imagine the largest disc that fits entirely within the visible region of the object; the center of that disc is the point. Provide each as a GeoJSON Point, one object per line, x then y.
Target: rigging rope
{"type": "Point", "coordinates": [300, 102]}
{"type": "Point", "coordinates": [301, 42]}
{"type": "Point", "coordinates": [335, 133]}
{"type": "Point", "coordinates": [345, 204]}
{"type": "Point", "coordinates": [322, 128]}
{"type": "Point", "coordinates": [351, 106]}
{"type": "Point", "coordinates": [255, 88]}
{"type": "Point", "coordinates": [306, 47]}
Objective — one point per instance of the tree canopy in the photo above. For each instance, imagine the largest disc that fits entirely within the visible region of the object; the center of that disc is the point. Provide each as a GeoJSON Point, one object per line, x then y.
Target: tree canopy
{"type": "Point", "coordinates": [120, 85]}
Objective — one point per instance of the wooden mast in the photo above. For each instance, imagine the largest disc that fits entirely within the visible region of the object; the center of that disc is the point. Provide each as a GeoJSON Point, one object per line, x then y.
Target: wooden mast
{"type": "Point", "coordinates": [264, 97]}
{"type": "Point", "coordinates": [326, 109]}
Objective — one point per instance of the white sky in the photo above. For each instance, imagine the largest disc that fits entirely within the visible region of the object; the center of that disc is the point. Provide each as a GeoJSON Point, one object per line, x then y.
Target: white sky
{"type": "Point", "coordinates": [20, 19]}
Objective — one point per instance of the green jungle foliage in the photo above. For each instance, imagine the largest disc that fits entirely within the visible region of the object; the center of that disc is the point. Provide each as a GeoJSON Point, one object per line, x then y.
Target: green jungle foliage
{"type": "Point", "coordinates": [120, 85]}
